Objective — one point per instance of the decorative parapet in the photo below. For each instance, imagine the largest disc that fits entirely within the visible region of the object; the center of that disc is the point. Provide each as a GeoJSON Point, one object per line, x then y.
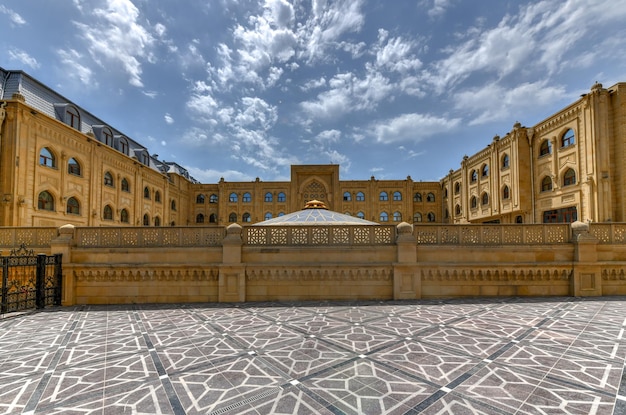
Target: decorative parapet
{"type": "Point", "coordinates": [319, 235]}
{"type": "Point", "coordinates": [319, 274]}
{"type": "Point", "coordinates": [492, 234]}
{"type": "Point", "coordinates": [608, 233]}
{"type": "Point", "coordinates": [35, 237]}
{"type": "Point", "coordinates": [508, 275]}
{"type": "Point", "coordinates": [146, 275]}
{"type": "Point", "coordinates": [138, 237]}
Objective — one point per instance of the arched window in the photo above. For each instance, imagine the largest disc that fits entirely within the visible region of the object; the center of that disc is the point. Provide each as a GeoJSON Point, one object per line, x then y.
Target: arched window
{"type": "Point", "coordinates": [73, 207]}
{"type": "Point", "coordinates": [173, 205]}
{"type": "Point", "coordinates": [430, 217]}
{"type": "Point", "coordinates": [269, 197]}
{"type": "Point", "coordinates": [417, 197]}
{"type": "Point", "coordinates": [473, 176]}
{"type": "Point", "coordinates": [430, 197]}
{"type": "Point", "coordinates": [281, 197]}
{"type": "Point", "coordinates": [568, 139]}
{"type": "Point", "coordinates": [446, 214]}
{"type": "Point", "coordinates": [545, 148]}
{"type": "Point", "coordinates": [233, 197]}
{"type": "Point", "coordinates": [445, 193]}
{"type": "Point", "coordinates": [347, 196]}
{"type": "Point", "coordinates": [383, 196]}
{"type": "Point", "coordinates": [146, 220]}
{"type": "Point", "coordinates": [360, 197]}
{"type": "Point", "coordinates": [73, 167]}
{"type": "Point", "coordinates": [281, 214]}
{"type": "Point", "coordinates": [172, 223]}
{"type": "Point", "coordinates": [457, 188]}
{"type": "Point", "coordinates": [397, 217]}
{"type": "Point", "coordinates": [146, 193]}
{"type": "Point", "coordinates": [124, 216]}
{"type": "Point", "coordinates": [246, 217]}
{"type": "Point", "coordinates": [157, 196]}
{"type": "Point", "coordinates": [200, 199]}
{"type": "Point", "coordinates": [72, 117]}
{"type": "Point", "coordinates": [417, 217]}
{"type": "Point", "coordinates": [384, 217]}
{"type": "Point", "coordinates": [123, 145]}
{"type": "Point", "coordinates": [360, 215]}
{"type": "Point", "coordinates": [246, 198]}
{"type": "Point", "coordinates": [546, 184]}
{"type": "Point", "coordinates": [505, 161]}
{"type": "Point", "coordinates": [125, 185]}
{"type": "Point", "coordinates": [199, 218]}
{"type": "Point", "coordinates": [397, 196]}
{"type": "Point", "coordinates": [473, 202]}
{"type": "Point", "coordinates": [457, 210]}
{"type": "Point", "coordinates": [107, 214]}
{"type": "Point", "coordinates": [45, 201]}
{"type": "Point", "coordinates": [212, 198]}
{"type": "Point", "coordinates": [506, 192]}
{"type": "Point", "coordinates": [157, 221]}
{"type": "Point", "coordinates": [47, 158]}
{"type": "Point", "coordinates": [519, 219]}
{"type": "Point", "coordinates": [212, 218]}
{"type": "Point", "coordinates": [484, 171]}
{"type": "Point", "coordinates": [485, 199]}
{"type": "Point", "coordinates": [232, 217]}
{"type": "Point", "coordinates": [268, 216]}
{"type": "Point", "coordinates": [108, 179]}
{"type": "Point", "coordinates": [569, 178]}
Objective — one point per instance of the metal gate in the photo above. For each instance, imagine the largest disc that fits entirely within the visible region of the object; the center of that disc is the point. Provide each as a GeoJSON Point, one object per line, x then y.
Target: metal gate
{"type": "Point", "coordinates": [30, 281]}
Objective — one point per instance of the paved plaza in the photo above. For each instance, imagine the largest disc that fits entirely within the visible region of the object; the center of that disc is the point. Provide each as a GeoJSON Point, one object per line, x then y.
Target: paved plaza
{"type": "Point", "coordinates": [488, 356]}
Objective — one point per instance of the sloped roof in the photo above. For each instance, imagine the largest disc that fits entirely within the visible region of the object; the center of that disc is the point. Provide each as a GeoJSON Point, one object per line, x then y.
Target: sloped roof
{"type": "Point", "coordinates": [315, 213]}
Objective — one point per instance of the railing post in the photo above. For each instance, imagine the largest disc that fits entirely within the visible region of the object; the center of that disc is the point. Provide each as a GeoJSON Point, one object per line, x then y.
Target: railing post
{"type": "Point", "coordinates": [5, 284]}
{"type": "Point", "coordinates": [58, 278]}
{"type": "Point", "coordinates": [40, 282]}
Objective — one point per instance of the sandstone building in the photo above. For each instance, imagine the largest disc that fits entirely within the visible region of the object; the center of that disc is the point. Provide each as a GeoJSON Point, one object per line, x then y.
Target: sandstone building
{"type": "Point", "coordinates": [60, 164]}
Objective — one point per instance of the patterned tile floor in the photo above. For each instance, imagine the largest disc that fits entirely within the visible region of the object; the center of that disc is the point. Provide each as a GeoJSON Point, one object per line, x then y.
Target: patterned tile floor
{"type": "Point", "coordinates": [488, 356]}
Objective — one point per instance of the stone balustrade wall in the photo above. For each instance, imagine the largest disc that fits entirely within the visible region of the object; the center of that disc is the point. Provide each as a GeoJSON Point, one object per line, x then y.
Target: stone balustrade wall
{"type": "Point", "coordinates": [216, 264]}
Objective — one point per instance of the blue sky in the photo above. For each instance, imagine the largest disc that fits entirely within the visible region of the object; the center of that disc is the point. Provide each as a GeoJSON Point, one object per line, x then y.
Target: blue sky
{"type": "Point", "coordinates": [243, 89]}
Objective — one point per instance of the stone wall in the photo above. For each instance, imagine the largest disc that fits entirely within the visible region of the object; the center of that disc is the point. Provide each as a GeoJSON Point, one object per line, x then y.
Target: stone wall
{"type": "Point", "coordinates": [235, 264]}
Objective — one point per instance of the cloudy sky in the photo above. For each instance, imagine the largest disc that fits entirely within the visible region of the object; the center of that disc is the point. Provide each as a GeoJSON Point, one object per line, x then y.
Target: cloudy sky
{"type": "Point", "coordinates": [387, 88]}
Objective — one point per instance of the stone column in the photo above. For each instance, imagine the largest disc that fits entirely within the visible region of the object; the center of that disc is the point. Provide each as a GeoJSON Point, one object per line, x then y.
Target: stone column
{"type": "Point", "coordinates": [62, 244]}
{"type": "Point", "coordinates": [232, 278]}
{"type": "Point", "coordinates": [407, 282]}
{"type": "Point", "coordinates": [586, 276]}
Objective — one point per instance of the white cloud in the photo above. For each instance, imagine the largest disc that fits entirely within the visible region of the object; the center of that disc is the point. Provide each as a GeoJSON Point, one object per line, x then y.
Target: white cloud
{"type": "Point", "coordinates": [330, 20]}
{"type": "Point", "coordinates": [498, 103]}
{"type": "Point", "coordinates": [536, 40]}
{"type": "Point", "coordinates": [202, 102]}
{"type": "Point", "coordinates": [313, 84]}
{"type": "Point", "coordinates": [214, 176]}
{"type": "Point", "coordinates": [70, 59]}
{"type": "Point", "coordinates": [15, 17]}
{"type": "Point", "coordinates": [115, 36]}
{"type": "Point", "coordinates": [328, 136]}
{"type": "Point", "coordinates": [394, 54]}
{"type": "Point", "coordinates": [168, 118]}
{"type": "Point", "coordinates": [23, 58]}
{"type": "Point", "coordinates": [411, 127]}
{"type": "Point", "coordinates": [438, 8]}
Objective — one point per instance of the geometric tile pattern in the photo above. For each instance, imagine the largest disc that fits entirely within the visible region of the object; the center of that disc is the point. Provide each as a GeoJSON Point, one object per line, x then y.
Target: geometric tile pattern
{"type": "Point", "coordinates": [487, 356]}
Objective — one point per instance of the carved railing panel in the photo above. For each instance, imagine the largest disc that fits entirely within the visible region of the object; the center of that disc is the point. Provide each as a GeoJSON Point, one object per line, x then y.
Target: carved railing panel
{"type": "Point", "coordinates": [319, 235]}
{"type": "Point", "coordinates": [492, 234]}
{"type": "Point", "coordinates": [137, 237]}
{"type": "Point", "coordinates": [609, 233]}
{"type": "Point", "coordinates": [37, 237]}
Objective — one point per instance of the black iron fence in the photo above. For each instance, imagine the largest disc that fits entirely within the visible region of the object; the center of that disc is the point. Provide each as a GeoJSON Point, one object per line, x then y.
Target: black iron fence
{"type": "Point", "coordinates": [30, 281]}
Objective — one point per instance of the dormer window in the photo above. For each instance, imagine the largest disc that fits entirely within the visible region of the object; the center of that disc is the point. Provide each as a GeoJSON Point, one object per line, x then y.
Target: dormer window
{"type": "Point", "coordinates": [69, 114]}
